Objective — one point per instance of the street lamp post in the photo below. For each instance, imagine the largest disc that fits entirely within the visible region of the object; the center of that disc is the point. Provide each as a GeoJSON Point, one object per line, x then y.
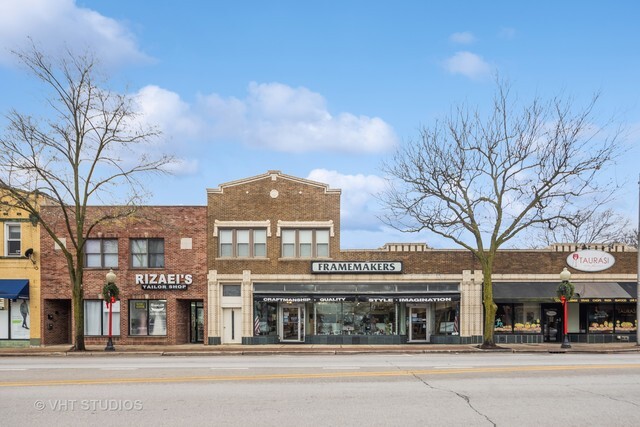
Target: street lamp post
{"type": "Point", "coordinates": [565, 276]}
{"type": "Point", "coordinates": [110, 300]}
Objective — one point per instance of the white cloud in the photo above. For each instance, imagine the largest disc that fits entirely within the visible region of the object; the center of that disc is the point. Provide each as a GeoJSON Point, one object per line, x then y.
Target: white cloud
{"type": "Point", "coordinates": [462, 38]}
{"type": "Point", "coordinates": [55, 25]}
{"type": "Point", "coordinates": [273, 116]}
{"type": "Point", "coordinates": [468, 64]}
{"type": "Point", "coordinates": [358, 203]}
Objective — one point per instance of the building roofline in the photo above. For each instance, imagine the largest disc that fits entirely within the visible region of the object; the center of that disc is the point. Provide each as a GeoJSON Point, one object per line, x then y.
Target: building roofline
{"type": "Point", "coordinates": [274, 175]}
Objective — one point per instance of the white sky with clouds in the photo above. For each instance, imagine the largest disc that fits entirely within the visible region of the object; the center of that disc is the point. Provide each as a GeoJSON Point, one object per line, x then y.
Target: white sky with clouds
{"type": "Point", "coordinates": [327, 91]}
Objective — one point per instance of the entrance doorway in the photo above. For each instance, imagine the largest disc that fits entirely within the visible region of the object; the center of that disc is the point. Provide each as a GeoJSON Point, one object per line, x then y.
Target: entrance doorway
{"type": "Point", "coordinates": [551, 322]}
{"type": "Point", "coordinates": [418, 328]}
{"type": "Point", "coordinates": [292, 323]}
{"type": "Point", "coordinates": [196, 327]}
{"type": "Point", "coordinates": [231, 325]}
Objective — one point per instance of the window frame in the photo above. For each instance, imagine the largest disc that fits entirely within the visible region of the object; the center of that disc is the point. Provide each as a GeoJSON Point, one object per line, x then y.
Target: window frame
{"type": "Point", "coordinates": [102, 253]}
{"type": "Point", "coordinates": [148, 255]}
{"type": "Point", "coordinates": [235, 242]}
{"type": "Point", "coordinates": [147, 327]}
{"type": "Point", "coordinates": [8, 239]}
{"type": "Point", "coordinates": [104, 323]}
{"type": "Point", "coordinates": [298, 243]}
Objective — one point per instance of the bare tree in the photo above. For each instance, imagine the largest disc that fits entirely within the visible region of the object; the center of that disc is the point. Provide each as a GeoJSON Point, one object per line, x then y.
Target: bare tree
{"type": "Point", "coordinates": [480, 181]}
{"type": "Point", "coordinates": [90, 149]}
{"type": "Point", "coordinates": [589, 226]}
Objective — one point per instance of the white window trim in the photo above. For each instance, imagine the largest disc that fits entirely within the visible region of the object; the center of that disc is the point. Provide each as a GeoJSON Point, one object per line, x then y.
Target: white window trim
{"type": "Point", "coordinates": [6, 239]}
{"type": "Point", "coordinates": [241, 224]}
{"type": "Point", "coordinates": [305, 224]}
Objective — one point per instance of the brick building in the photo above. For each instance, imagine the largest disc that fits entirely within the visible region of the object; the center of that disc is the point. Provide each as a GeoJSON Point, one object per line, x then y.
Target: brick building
{"type": "Point", "coordinates": [277, 274]}
{"type": "Point", "coordinates": [159, 257]}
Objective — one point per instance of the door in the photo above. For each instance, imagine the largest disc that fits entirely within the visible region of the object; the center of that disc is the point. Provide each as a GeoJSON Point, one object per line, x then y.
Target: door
{"type": "Point", "coordinates": [552, 322]}
{"type": "Point", "coordinates": [292, 323]}
{"type": "Point", "coordinates": [231, 325]}
{"type": "Point", "coordinates": [418, 329]}
{"type": "Point", "coordinates": [197, 322]}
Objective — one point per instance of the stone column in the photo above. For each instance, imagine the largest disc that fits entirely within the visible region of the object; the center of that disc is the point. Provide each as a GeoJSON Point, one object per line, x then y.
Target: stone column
{"type": "Point", "coordinates": [247, 304]}
{"type": "Point", "coordinates": [213, 305]}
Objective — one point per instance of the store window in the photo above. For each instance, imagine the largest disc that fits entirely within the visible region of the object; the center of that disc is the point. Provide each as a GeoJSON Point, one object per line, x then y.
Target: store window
{"type": "Point", "coordinates": [242, 243]}
{"type": "Point", "coordinates": [446, 318]}
{"type": "Point", "coordinates": [15, 319]}
{"type": "Point", "coordinates": [96, 318]}
{"type": "Point", "coordinates": [305, 243]}
{"type": "Point", "coordinates": [13, 240]}
{"type": "Point", "coordinates": [355, 318]}
{"type": "Point", "coordinates": [101, 253]}
{"type": "Point", "coordinates": [265, 318]}
{"type": "Point", "coordinates": [147, 317]}
{"type": "Point", "coordinates": [600, 318]}
{"type": "Point", "coordinates": [147, 253]}
{"type": "Point", "coordinates": [626, 318]}
{"type": "Point", "coordinates": [520, 318]}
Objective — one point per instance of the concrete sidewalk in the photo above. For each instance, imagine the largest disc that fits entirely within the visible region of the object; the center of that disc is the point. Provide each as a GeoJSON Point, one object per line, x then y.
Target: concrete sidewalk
{"type": "Point", "coordinates": [228, 350]}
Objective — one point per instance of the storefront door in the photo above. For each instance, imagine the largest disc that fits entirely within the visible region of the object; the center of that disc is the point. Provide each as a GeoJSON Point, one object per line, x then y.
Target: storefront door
{"type": "Point", "coordinates": [197, 322]}
{"type": "Point", "coordinates": [418, 329]}
{"type": "Point", "coordinates": [231, 325]}
{"type": "Point", "coordinates": [292, 323]}
{"type": "Point", "coordinates": [551, 322]}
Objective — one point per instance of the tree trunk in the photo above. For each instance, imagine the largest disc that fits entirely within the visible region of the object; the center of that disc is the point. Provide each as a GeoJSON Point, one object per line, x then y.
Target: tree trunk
{"type": "Point", "coordinates": [490, 307]}
{"type": "Point", "coordinates": [78, 314]}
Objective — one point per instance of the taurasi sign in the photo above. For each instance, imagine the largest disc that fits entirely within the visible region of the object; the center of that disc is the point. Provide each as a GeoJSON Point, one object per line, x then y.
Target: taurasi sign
{"type": "Point", "coordinates": [590, 260]}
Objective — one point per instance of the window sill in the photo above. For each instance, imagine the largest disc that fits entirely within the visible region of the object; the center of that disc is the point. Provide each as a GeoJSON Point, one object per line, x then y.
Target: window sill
{"type": "Point", "coordinates": [304, 259]}
{"type": "Point", "coordinates": [242, 259]}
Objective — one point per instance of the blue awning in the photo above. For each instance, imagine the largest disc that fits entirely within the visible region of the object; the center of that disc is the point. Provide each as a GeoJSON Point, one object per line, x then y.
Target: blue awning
{"type": "Point", "coordinates": [14, 288]}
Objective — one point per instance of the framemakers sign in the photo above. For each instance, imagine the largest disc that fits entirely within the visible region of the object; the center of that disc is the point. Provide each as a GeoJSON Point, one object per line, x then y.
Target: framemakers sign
{"type": "Point", "coordinates": [355, 267]}
{"type": "Point", "coordinates": [590, 260]}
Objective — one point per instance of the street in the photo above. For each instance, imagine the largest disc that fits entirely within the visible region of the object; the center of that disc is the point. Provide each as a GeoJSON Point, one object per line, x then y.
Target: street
{"type": "Point", "coordinates": [502, 389]}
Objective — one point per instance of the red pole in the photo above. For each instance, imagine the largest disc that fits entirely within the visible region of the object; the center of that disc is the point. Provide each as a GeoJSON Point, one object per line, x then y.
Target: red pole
{"type": "Point", "coordinates": [110, 307]}
{"type": "Point", "coordinates": [565, 319]}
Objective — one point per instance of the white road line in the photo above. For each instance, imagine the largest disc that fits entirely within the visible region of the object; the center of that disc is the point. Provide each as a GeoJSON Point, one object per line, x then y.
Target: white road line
{"type": "Point", "coordinates": [13, 369]}
{"type": "Point", "coordinates": [341, 367]}
{"type": "Point", "coordinates": [228, 369]}
{"type": "Point", "coordinates": [453, 367]}
{"type": "Point", "coordinates": [118, 369]}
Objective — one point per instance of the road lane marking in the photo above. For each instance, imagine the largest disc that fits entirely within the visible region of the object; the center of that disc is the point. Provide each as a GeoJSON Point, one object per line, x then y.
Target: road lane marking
{"type": "Point", "coordinates": [398, 373]}
{"type": "Point", "coordinates": [228, 369]}
{"type": "Point", "coordinates": [341, 367]}
{"type": "Point", "coordinates": [453, 367]}
{"type": "Point", "coordinates": [118, 369]}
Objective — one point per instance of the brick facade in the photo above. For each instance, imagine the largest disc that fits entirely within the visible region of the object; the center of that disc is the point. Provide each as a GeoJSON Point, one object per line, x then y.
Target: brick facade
{"type": "Point", "coordinates": [173, 224]}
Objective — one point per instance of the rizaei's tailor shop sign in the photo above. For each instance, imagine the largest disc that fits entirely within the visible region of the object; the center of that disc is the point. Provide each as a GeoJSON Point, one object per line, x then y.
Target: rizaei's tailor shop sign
{"type": "Point", "coordinates": [164, 282]}
{"type": "Point", "coordinates": [355, 267]}
{"type": "Point", "coordinates": [590, 260]}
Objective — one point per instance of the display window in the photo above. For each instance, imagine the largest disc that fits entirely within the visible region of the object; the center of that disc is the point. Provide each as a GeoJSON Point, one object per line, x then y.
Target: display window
{"type": "Point", "coordinates": [265, 318]}
{"type": "Point", "coordinates": [446, 318]}
{"type": "Point", "coordinates": [147, 317]}
{"type": "Point", "coordinates": [600, 318]}
{"type": "Point", "coordinates": [519, 318]}
{"type": "Point", "coordinates": [96, 318]}
{"type": "Point", "coordinates": [626, 318]}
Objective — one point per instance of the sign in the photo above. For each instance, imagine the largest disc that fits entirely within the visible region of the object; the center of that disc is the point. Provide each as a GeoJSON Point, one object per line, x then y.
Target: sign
{"type": "Point", "coordinates": [164, 282]}
{"type": "Point", "coordinates": [352, 267]}
{"type": "Point", "coordinates": [590, 260]}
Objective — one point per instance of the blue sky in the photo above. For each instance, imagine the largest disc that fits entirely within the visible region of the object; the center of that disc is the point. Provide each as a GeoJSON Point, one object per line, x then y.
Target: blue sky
{"type": "Point", "coordinates": [326, 90]}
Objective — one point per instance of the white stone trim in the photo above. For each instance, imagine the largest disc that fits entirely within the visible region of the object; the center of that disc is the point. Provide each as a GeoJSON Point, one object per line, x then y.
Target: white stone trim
{"type": "Point", "coordinates": [241, 224]}
{"type": "Point", "coordinates": [305, 224]}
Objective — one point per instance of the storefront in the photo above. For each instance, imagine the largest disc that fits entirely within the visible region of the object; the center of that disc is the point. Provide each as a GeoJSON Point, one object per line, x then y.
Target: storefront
{"type": "Point", "coordinates": [355, 312]}
{"type": "Point", "coordinates": [530, 312]}
{"type": "Point", "coordinates": [15, 317]}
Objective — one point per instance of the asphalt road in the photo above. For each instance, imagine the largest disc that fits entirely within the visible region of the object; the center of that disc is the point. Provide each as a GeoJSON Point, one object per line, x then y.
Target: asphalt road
{"type": "Point", "coordinates": [321, 390]}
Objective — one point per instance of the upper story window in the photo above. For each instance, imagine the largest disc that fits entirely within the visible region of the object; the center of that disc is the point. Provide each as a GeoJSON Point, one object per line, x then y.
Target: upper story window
{"type": "Point", "coordinates": [147, 253]}
{"type": "Point", "coordinates": [101, 253]}
{"type": "Point", "coordinates": [243, 243]}
{"type": "Point", "coordinates": [13, 240]}
{"type": "Point", "coordinates": [305, 243]}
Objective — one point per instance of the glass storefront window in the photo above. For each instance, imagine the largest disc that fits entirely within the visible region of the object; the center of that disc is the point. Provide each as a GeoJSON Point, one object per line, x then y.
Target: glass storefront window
{"type": "Point", "coordinates": [600, 318]}
{"type": "Point", "coordinates": [328, 318]}
{"type": "Point", "coordinates": [147, 317]}
{"type": "Point", "coordinates": [626, 318]}
{"type": "Point", "coordinates": [446, 321]}
{"type": "Point", "coordinates": [265, 318]}
{"type": "Point", "coordinates": [504, 318]}
{"type": "Point", "coordinates": [526, 318]}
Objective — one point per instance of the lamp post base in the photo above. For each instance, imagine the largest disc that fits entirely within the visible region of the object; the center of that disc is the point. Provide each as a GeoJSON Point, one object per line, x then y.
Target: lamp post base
{"type": "Point", "coordinates": [110, 346]}
{"type": "Point", "coordinates": [565, 342]}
